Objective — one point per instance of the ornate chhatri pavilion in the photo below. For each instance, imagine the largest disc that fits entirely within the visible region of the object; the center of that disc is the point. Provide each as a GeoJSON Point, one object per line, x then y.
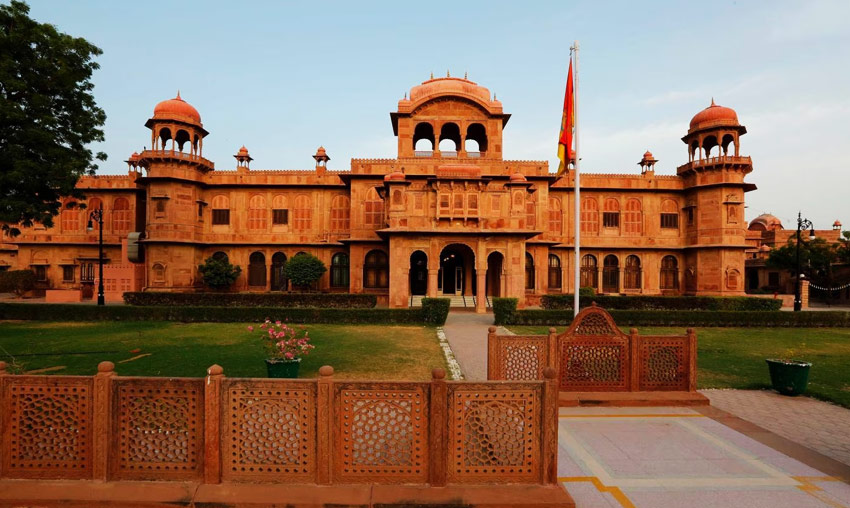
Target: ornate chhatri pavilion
{"type": "Point", "coordinates": [447, 216]}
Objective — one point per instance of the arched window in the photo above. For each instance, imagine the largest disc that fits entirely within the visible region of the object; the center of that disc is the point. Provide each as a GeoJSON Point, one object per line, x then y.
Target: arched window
{"type": "Point", "coordinates": [257, 269]}
{"type": "Point", "coordinates": [423, 139]}
{"type": "Point", "coordinates": [221, 210]}
{"type": "Point", "coordinates": [669, 214]}
{"type": "Point", "coordinates": [589, 217]}
{"type": "Point", "coordinates": [529, 271]}
{"type": "Point", "coordinates": [258, 213]}
{"type": "Point", "coordinates": [120, 215]}
{"type": "Point", "coordinates": [449, 139]}
{"type": "Point", "coordinates": [158, 273]}
{"type": "Point", "coordinates": [589, 272]}
{"type": "Point", "coordinates": [303, 213]}
{"type": "Point", "coordinates": [611, 274]}
{"type": "Point", "coordinates": [70, 216]}
{"type": "Point", "coordinates": [669, 273]}
{"type": "Point", "coordinates": [728, 143]}
{"type": "Point", "coordinates": [632, 273]}
{"type": "Point", "coordinates": [339, 270]}
{"type": "Point", "coordinates": [732, 278]}
{"type": "Point", "coordinates": [373, 209]}
{"type": "Point", "coordinates": [376, 270]}
{"type": "Point", "coordinates": [709, 144]}
{"type": "Point", "coordinates": [181, 138]}
{"type": "Point", "coordinates": [633, 219]}
{"type": "Point", "coordinates": [220, 256]}
{"type": "Point", "coordinates": [340, 214]}
{"type": "Point", "coordinates": [164, 137]}
{"type": "Point", "coordinates": [555, 216]}
{"type": "Point", "coordinates": [476, 140]}
{"type": "Point", "coordinates": [278, 273]}
{"type": "Point", "coordinates": [554, 272]}
{"type": "Point", "coordinates": [611, 213]}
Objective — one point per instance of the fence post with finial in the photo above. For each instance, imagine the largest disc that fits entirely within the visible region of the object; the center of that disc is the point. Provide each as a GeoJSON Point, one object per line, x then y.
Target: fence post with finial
{"type": "Point", "coordinates": [212, 424]}
{"type": "Point", "coordinates": [102, 419]}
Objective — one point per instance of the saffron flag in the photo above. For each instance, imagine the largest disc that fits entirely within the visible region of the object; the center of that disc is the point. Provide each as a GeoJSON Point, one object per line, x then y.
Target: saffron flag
{"type": "Point", "coordinates": [568, 123]}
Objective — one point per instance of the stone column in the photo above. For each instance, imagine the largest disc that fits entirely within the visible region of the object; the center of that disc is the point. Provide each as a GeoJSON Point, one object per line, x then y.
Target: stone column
{"type": "Point", "coordinates": [432, 282]}
{"type": "Point", "coordinates": [481, 298]}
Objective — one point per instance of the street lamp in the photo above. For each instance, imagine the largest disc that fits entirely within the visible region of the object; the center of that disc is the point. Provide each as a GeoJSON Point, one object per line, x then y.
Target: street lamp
{"type": "Point", "coordinates": [97, 216]}
{"type": "Point", "coordinates": [801, 225]}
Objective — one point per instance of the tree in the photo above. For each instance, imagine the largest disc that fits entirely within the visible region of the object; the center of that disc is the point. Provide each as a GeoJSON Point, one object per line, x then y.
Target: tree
{"type": "Point", "coordinates": [17, 281]}
{"type": "Point", "coordinates": [304, 269]}
{"type": "Point", "coordinates": [48, 117]}
{"type": "Point", "coordinates": [219, 273]}
{"type": "Point", "coordinates": [816, 257]}
{"type": "Point", "coordinates": [844, 247]}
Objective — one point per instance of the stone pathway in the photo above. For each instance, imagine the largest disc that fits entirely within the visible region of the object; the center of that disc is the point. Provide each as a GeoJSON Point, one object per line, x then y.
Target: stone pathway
{"type": "Point", "coordinates": [467, 335]}
{"type": "Point", "coordinates": [815, 424]}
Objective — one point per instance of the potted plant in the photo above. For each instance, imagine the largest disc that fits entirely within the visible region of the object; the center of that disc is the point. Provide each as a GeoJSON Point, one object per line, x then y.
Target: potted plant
{"type": "Point", "coordinates": [284, 348]}
{"type": "Point", "coordinates": [788, 376]}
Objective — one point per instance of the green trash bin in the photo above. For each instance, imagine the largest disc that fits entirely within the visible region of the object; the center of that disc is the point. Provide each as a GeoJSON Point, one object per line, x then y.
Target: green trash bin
{"type": "Point", "coordinates": [789, 377]}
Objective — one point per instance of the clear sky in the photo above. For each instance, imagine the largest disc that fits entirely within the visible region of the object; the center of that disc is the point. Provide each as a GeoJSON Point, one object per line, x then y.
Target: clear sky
{"type": "Point", "coordinates": [283, 78]}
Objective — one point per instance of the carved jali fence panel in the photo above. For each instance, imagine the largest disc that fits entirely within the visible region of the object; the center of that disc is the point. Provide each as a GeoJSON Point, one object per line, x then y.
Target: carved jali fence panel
{"type": "Point", "coordinates": [47, 431]}
{"type": "Point", "coordinates": [664, 363]}
{"type": "Point", "coordinates": [157, 428]}
{"type": "Point", "coordinates": [268, 430]}
{"type": "Point", "coordinates": [494, 432]}
{"type": "Point", "coordinates": [381, 432]}
{"type": "Point", "coordinates": [520, 357]}
{"type": "Point", "coordinates": [593, 354]}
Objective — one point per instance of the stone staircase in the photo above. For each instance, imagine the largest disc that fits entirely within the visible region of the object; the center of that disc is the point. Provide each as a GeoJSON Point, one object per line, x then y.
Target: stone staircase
{"type": "Point", "coordinates": [457, 301]}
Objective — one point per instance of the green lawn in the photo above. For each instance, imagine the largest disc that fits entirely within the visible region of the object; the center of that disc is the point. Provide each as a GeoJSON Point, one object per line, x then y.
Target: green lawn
{"type": "Point", "coordinates": [734, 357]}
{"type": "Point", "coordinates": [177, 349]}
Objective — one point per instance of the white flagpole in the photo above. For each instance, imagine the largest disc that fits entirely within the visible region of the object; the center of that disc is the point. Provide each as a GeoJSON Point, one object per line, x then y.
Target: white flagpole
{"type": "Point", "coordinates": [577, 218]}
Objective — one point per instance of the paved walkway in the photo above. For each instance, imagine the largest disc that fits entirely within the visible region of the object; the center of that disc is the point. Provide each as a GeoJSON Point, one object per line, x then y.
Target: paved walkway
{"type": "Point", "coordinates": [467, 335]}
{"type": "Point", "coordinates": [815, 424]}
{"type": "Point", "coordinates": [678, 457]}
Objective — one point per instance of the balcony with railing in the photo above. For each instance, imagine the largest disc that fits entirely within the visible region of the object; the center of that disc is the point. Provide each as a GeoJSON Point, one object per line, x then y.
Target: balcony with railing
{"type": "Point", "coordinates": [176, 154]}
{"type": "Point", "coordinates": [713, 161]}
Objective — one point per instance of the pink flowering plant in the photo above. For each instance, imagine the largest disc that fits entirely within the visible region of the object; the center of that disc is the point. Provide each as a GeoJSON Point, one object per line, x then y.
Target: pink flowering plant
{"type": "Point", "coordinates": [283, 342]}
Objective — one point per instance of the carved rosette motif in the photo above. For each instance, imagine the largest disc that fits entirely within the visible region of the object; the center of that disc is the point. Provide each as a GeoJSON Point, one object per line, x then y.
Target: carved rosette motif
{"type": "Point", "coordinates": [663, 364]}
{"type": "Point", "coordinates": [494, 432]}
{"type": "Point", "coordinates": [270, 431]}
{"type": "Point", "coordinates": [159, 428]}
{"type": "Point", "coordinates": [382, 433]}
{"type": "Point", "coordinates": [49, 428]}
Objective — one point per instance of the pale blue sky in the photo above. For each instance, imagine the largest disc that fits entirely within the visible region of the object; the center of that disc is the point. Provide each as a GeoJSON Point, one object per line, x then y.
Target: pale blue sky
{"type": "Point", "coordinates": [283, 78]}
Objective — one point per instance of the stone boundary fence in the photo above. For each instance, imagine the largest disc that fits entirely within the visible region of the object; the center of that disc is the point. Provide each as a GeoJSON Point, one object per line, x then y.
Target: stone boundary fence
{"type": "Point", "coordinates": [313, 431]}
{"type": "Point", "coordinates": [593, 355]}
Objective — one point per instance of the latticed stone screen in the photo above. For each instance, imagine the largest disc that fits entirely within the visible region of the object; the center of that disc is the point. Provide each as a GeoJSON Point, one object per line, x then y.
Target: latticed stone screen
{"type": "Point", "coordinates": [494, 431]}
{"type": "Point", "coordinates": [597, 364]}
{"type": "Point", "coordinates": [522, 358]}
{"type": "Point", "coordinates": [158, 428]}
{"type": "Point", "coordinates": [664, 363]}
{"type": "Point", "coordinates": [269, 430]}
{"type": "Point", "coordinates": [381, 432]}
{"type": "Point", "coordinates": [49, 427]}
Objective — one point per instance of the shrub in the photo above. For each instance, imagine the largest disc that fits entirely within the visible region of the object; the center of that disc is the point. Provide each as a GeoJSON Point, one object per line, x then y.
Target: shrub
{"type": "Point", "coordinates": [436, 310]}
{"type": "Point", "coordinates": [586, 291]}
{"type": "Point", "coordinates": [504, 310]}
{"type": "Point", "coordinates": [76, 312]}
{"type": "Point", "coordinates": [316, 300]}
{"type": "Point", "coordinates": [304, 269]}
{"type": "Point", "coordinates": [17, 281]}
{"type": "Point", "coordinates": [725, 318]}
{"type": "Point", "coordinates": [611, 302]}
{"type": "Point", "coordinates": [219, 273]}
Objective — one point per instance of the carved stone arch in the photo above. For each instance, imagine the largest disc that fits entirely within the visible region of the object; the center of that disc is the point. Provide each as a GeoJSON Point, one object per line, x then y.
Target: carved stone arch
{"type": "Point", "coordinates": [593, 321]}
{"type": "Point", "coordinates": [474, 104]}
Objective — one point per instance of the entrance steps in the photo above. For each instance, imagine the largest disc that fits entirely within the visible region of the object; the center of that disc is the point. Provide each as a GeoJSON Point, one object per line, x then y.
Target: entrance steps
{"type": "Point", "coordinates": [457, 301]}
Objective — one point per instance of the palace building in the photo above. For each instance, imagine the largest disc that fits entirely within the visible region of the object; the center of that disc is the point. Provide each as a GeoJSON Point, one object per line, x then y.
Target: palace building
{"type": "Point", "coordinates": [447, 216]}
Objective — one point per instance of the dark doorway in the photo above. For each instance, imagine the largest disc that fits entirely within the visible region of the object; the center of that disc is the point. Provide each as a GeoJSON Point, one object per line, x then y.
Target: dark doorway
{"type": "Point", "coordinates": [753, 279]}
{"type": "Point", "coordinates": [457, 275]}
{"type": "Point", "coordinates": [418, 273]}
{"type": "Point", "coordinates": [257, 270]}
{"type": "Point", "coordinates": [494, 274]}
{"type": "Point", "coordinates": [278, 274]}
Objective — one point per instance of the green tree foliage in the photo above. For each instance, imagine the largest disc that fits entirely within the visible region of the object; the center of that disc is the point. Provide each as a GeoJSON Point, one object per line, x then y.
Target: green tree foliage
{"type": "Point", "coordinates": [17, 281]}
{"type": "Point", "coordinates": [304, 269]}
{"type": "Point", "coordinates": [816, 257]}
{"type": "Point", "coordinates": [844, 247]}
{"type": "Point", "coordinates": [219, 273]}
{"type": "Point", "coordinates": [48, 117]}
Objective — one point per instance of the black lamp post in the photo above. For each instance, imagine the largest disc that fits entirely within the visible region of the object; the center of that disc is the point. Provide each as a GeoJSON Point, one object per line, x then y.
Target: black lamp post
{"type": "Point", "coordinates": [97, 216]}
{"type": "Point", "coordinates": [801, 225]}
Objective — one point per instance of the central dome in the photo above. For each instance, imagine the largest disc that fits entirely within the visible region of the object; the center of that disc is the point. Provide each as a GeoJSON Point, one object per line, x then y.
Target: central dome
{"type": "Point", "coordinates": [714, 115]}
{"type": "Point", "coordinates": [177, 109]}
{"type": "Point", "coordinates": [449, 85]}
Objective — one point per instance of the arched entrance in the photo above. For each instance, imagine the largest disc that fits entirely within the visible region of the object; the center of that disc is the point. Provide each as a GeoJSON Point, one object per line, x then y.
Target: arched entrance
{"type": "Point", "coordinates": [418, 273]}
{"type": "Point", "coordinates": [457, 270]}
{"type": "Point", "coordinates": [278, 274]}
{"type": "Point", "coordinates": [494, 274]}
{"type": "Point", "coordinates": [257, 270]}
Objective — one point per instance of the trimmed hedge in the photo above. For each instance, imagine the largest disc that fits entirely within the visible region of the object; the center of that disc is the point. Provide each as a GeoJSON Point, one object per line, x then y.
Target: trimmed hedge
{"type": "Point", "coordinates": [504, 310]}
{"type": "Point", "coordinates": [290, 300]}
{"type": "Point", "coordinates": [640, 302]}
{"type": "Point", "coordinates": [627, 318]}
{"type": "Point", "coordinates": [436, 310]}
{"type": "Point", "coordinates": [76, 312]}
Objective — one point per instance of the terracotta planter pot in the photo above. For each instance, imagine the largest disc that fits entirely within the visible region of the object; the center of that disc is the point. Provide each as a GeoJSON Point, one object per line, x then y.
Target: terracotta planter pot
{"type": "Point", "coordinates": [283, 368]}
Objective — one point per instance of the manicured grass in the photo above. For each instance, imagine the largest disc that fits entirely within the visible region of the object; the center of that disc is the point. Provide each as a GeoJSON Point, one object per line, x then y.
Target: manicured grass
{"type": "Point", "coordinates": [177, 349]}
{"type": "Point", "coordinates": [734, 357]}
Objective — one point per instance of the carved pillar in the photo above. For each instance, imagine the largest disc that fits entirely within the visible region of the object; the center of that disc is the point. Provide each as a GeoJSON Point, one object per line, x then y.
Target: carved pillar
{"type": "Point", "coordinates": [549, 451]}
{"type": "Point", "coordinates": [481, 298]}
{"type": "Point", "coordinates": [102, 418]}
{"type": "Point", "coordinates": [432, 282]}
{"type": "Point", "coordinates": [212, 425]}
{"type": "Point", "coordinates": [438, 427]}
{"type": "Point", "coordinates": [324, 425]}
